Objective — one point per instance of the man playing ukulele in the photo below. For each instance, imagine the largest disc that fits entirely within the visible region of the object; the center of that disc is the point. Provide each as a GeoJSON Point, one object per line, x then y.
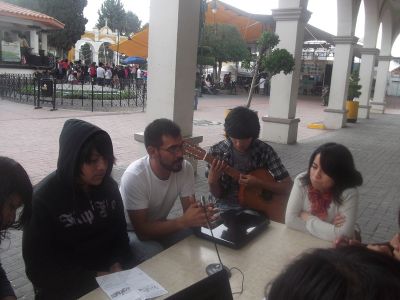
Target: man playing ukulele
{"type": "Point", "coordinates": [243, 151]}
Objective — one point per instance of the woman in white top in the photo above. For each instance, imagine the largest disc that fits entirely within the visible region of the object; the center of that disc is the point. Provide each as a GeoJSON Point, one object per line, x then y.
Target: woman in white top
{"type": "Point", "coordinates": [324, 200]}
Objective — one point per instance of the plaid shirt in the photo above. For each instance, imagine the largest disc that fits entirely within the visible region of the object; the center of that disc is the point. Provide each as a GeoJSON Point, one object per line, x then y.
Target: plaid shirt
{"type": "Point", "coordinates": [261, 154]}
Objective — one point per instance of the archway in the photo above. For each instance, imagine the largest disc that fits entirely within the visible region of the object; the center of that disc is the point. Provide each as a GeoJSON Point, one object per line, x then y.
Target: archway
{"type": "Point", "coordinates": [106, 54]}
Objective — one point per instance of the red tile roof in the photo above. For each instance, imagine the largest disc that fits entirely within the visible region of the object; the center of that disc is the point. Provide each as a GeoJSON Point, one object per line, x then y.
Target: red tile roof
{"type": "Point", "coordinates": [10, 10]}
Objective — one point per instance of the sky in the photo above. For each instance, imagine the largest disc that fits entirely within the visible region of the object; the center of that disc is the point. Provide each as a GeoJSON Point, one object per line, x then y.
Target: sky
{"type": "Point", "coordinates": [323, 14]}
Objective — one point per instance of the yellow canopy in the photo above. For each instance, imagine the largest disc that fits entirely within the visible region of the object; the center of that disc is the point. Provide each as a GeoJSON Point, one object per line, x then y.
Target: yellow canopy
{"type": "Point", "coordinates": [250, 27]}
{"type": "Point", "coordinates": [136, 46]}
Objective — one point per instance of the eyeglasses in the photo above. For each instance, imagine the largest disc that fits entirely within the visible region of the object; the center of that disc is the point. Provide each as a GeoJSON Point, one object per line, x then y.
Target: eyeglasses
{"type": "Point", "coordinates": [174, 149]}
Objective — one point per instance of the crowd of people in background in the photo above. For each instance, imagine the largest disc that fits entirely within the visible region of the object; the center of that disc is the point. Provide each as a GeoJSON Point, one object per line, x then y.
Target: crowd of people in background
{"type": "Point", "coordinates": [102, 74]}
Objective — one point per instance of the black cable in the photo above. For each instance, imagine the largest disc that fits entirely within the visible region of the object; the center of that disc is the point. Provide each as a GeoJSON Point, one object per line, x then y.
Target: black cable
{"type": "Point", "coordinates": [203, 200]}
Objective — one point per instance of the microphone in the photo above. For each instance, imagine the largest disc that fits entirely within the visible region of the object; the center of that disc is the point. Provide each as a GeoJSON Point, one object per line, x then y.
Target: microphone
{"type": "Point", "coordinates": [214, 267]}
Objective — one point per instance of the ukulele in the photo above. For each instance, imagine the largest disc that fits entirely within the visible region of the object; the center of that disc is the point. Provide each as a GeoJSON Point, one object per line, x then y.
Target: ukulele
{"type": "Point", "coordinates": [270, 204]}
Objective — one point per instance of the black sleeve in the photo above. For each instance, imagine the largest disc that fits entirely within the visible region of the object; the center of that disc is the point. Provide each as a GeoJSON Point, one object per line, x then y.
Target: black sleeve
{"type": "Point", "coordinates": [122, 251]}
{"type": "Point", "coordinates": [5, 285]}
{"type": "Point", "coordinates": [52, 271]}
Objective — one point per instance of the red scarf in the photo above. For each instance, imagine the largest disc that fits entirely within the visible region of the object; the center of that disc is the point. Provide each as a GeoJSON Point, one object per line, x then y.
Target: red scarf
{"type": "Point", "coordinates": [320, 202]}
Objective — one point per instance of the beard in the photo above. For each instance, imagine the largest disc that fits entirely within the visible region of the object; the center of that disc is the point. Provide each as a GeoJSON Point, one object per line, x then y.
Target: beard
{"type": "Point", "coordinates": [174, 166]}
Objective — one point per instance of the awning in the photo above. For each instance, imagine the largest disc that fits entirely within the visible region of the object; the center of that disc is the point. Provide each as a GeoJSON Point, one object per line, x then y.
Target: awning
{"type": "Point", "coordinates": [11, 10]}
{"type": "Point", "coordinates": [249, 25]}
{"type": "Point", "coordinates": [137, 45]}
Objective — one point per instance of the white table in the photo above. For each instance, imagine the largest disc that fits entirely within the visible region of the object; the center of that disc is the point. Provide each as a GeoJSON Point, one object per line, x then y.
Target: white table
{"type": "Point", "coordinates": [261, 260]}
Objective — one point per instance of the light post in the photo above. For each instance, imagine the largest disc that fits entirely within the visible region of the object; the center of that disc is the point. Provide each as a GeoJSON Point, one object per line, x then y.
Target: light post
{"type": "Point", "coordinates": [118, 38]}
{"type": "Point", "coordinates": [118, 47]}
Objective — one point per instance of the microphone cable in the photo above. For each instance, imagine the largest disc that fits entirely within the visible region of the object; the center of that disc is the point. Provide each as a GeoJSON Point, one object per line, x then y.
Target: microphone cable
{"type": "Point", "coordinates": [203, 201]}
{"type": "Point", "coordinates": [229, 271]}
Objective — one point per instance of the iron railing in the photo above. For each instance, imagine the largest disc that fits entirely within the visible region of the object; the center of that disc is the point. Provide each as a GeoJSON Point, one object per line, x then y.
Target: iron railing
{"type": "Point", "coordinates": [48, 91]}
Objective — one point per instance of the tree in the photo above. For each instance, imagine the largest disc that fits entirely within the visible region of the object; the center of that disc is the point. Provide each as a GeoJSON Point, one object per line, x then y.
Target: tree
{"type": "Point", "coordinates": [270, 60]}
{"type": "Point", "coordinates": [354, 87]}
{"type": "Point", "coordinates": [69, 12]}
{"type": "Point", "coordinates": [85, 54]}
{"type": "Point", "coordinates": [132, 23]}
{"type": "Point", "coordinates": [114, 12]}
{"type": "Point", "coordinates": [225, 43]}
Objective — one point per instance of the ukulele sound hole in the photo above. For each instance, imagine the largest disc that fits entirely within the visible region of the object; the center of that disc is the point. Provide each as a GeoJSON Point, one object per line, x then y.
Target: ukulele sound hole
{"type": "Point", "coordinates": [266, 195]}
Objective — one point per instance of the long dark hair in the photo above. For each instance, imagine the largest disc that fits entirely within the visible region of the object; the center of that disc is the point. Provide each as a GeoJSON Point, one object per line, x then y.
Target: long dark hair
{"type": "Point", "coordinates": [15, 181]}
{"type": "Point", "coordinates": [337, 162]}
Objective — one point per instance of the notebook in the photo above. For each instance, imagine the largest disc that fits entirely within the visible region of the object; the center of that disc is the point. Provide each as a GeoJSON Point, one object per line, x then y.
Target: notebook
{"type": "Point", "coordinates": [213, 287]}
{"type": "Point", "coordinates": [235, 228]}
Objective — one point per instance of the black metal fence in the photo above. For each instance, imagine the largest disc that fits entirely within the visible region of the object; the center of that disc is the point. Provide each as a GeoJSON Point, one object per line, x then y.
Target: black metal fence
{"type": "Point", "coordinates": [91, 95]}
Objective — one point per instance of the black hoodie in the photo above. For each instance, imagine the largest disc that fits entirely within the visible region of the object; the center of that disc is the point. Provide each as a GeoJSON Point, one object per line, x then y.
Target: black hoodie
{"type": "Point", "coordinates": [73, 235]}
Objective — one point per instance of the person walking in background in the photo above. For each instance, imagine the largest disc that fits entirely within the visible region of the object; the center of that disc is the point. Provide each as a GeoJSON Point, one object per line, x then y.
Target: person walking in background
{"type": "Point", "coordinates": [15, 192]}
{"type": "Point", "coordinates": [324, 199]}
{"type": "Point", "coordinates": [325, 95]}
{"type": "Point", "coordinates": [100, 74]}
{"type": "Point", "coordinates": [78, 229]}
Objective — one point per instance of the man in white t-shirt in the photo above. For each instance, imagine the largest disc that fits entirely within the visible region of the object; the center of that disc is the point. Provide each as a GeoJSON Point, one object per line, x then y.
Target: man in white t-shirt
{"type": "Point", "coordinates": [100, 73]}
{"type": "Point", "coordinates": [150, 187]}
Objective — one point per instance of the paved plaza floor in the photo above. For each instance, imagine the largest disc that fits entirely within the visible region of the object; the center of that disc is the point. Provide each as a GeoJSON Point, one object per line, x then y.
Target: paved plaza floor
{"type": "Point", "coordinates": [31, 137]}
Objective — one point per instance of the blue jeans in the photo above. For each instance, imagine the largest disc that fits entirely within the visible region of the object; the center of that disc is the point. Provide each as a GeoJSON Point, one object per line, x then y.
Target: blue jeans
{"type": "Point", "coordinates": [143, 250]}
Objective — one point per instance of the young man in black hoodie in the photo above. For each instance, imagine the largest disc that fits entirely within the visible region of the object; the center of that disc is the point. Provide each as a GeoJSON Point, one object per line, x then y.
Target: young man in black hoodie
{"type": "Point", "coordinates": [77, 230]}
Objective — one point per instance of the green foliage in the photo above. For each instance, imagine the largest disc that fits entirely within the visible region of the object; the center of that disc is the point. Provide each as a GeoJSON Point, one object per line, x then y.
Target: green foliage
{"type": "Point", "coordinates": [113, 11]}
{"type": "Point", "coordinates": [69, 12]}
{"type": "Point", "coordinates": [269, 60]}
{"type": "Point", "coordinates": [279, 60]}
{"type": "Point", "coordinates": [205, 56]}
{"type": "Point", "coordinates": [226, 43]}
{"type": "Point", "coordinates": [132, 23]}
{"type": "Point", "coordinates": [268, 40]}
{"type": "Point", "coordinates": [117, 18]}
{"type": "Point", "coordinates": [354, 87]}
{"type": "Point", "coordinates": [86, 54]}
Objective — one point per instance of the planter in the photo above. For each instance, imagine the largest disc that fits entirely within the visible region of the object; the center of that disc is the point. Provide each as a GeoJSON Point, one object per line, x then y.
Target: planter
{"type": "Point", "coordinates": [352, 111]}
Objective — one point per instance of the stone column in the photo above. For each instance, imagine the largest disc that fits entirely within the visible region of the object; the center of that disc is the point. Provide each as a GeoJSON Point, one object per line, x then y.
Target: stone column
{"type": "Point", "coordinates": [173, 36]}
{"type": "Point", "coordinates": [368, 56]}
{"type": "Point", "coordinates": [280, 125]}
{"type": "Point", "coordinates": [34, 39]}
{"type": "Point", "coordinates": [335, 114]}
{"type": "Point", "coordinates": [77, 50]}
{"type": "Point", "coordinates": [44, 42]}
{"type": "Point", "coordinates": [379, 103]}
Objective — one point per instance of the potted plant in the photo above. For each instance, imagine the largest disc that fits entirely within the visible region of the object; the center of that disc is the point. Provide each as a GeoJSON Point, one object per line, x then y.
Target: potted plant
{"type": "Point", "coordinates": [270, 60]}
{"type": "Point", "coordinates": [353, 92]}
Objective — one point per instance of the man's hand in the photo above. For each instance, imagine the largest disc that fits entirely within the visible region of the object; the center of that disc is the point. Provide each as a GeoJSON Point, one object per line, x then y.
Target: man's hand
{"type": "Point", "coordinates": [194, 216]}
{"type": "Point", "coordinates": [116, 268]}
{"type": "Point", "coordinates": [380, 248]}
{"type": "Point", "coordinates": [216, 170]}
{"type": "Point", "coordinates": [395, 243]}
{"type": "Point", "coordinates": [250, 181]}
